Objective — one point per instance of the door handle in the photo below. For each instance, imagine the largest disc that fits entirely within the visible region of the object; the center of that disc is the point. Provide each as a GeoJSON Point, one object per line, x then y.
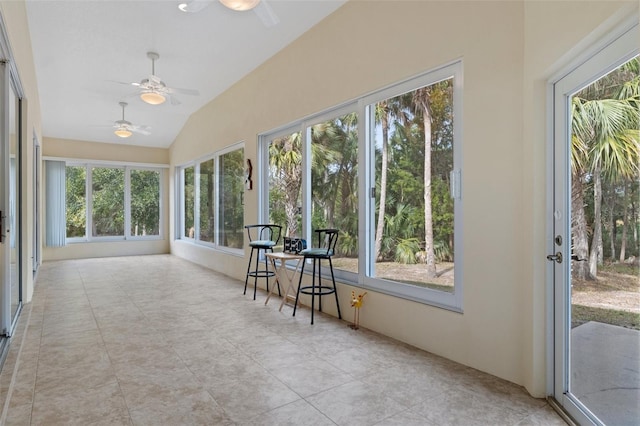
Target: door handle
{"type": "Point", "coordinates": [2, 236]}
{"type": "Point", "coordinates": [555, 257]}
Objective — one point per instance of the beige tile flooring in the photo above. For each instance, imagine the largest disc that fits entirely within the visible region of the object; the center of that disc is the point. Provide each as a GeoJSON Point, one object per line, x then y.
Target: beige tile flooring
{"type": "Point", "coordinates": [156, 340]}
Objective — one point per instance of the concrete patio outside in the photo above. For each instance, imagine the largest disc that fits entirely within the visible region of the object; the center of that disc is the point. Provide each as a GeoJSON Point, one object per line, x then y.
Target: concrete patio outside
{"type": "Point", "coordinates": [605, 371]}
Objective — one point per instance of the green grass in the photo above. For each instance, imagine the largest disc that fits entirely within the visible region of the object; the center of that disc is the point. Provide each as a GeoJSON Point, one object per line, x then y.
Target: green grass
{"type": "Point", "coordinates": [621, 268]}
{"type": "Point", "coordinates": [581, 314]}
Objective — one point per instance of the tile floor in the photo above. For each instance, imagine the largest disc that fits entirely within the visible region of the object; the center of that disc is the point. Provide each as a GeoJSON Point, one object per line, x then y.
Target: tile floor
{"type": "Point", "coordinates": [156, 340]}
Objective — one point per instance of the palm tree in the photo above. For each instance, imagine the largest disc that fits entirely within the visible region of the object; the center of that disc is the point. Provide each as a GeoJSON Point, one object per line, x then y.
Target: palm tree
{"type": "Point", "coordinates": [432, 105]}
{"type": "Point", "coordinates": [382, 113]}
{"type": "Point", "coordinates": [605, 144]}
{"type": "Point", "coordinates": [285, 161]}
{"type": "Point", "coordinates": [334, 168]}
{"type": "Point", "coordinates": [422, 104]}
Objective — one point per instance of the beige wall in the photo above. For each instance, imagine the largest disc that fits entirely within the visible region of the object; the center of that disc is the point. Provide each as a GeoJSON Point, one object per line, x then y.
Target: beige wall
{"type": "Point", "coordinates": [509, 50]}
{"type": "Point", "coordinates": [65, 148]}
{"type": "Point", "coordinates": [81, 150]}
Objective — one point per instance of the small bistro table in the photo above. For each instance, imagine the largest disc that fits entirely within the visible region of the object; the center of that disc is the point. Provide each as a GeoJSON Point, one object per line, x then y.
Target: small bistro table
{"type": "Point", "coordinates": [283, 275]}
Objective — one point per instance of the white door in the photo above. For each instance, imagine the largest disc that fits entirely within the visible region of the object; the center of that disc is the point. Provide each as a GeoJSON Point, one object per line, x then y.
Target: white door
{"type": "Point", "coordinates": [569, 371]}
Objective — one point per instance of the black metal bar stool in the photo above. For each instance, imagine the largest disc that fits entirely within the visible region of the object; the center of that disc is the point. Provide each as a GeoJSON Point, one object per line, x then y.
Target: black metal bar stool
{"type": "Point", "coordinates": [327, 239]}
{"type": "Point", "coordinates": [261, 237]}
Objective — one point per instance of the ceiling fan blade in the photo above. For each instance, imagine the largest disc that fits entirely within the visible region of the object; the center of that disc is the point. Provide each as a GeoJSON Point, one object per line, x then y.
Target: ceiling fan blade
{"type": "Point", "coordinates": [143, 130]}
{"type": "Point", "coordinates": [266, 14]}
{"type": "Point", "coordinates": [125, 83]}
{"type": "Point", "coordinates": [194, 6]}
{"type": "Point", "coordinates": [191, 92]}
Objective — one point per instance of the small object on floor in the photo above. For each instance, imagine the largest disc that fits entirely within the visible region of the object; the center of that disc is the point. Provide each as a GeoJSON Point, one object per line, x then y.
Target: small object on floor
{"type": "Point", "coordinates": [356, 303]}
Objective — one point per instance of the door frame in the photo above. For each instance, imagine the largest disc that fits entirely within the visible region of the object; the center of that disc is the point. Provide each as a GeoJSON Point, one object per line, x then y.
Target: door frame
{"type": "Point", "coordinates": [10, 80]}
{"type": "Point", "coordinates": [5, 249]}
{"type": "Point", "coordinates": [606, 54]}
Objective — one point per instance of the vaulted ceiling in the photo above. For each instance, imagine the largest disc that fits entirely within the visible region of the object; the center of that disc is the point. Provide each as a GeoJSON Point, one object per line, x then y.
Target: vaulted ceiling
{"type": "Point", "coordinates": [87, 53]}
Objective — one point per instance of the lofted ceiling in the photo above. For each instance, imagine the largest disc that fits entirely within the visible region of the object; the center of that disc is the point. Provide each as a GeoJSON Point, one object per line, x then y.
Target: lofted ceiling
{"type": "Point", "coordinates": [84, 51]}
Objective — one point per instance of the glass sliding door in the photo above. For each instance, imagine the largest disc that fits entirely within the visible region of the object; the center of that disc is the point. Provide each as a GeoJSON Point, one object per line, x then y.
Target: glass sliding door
{"type": "Point", "coordinates": [14, 203]}
{"type": "Point", "coordinates": [10, 200]}
{"type": "Point", "coordinates": [36, 205]}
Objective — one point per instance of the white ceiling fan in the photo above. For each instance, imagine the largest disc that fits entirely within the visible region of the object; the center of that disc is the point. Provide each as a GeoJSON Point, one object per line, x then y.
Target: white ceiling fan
{"type": "Point", "coordinates": [124, 128]}
{"type": "Point", "coordinates": [260, 7]}
{"type": "Point", "coordinates": [154, 91]}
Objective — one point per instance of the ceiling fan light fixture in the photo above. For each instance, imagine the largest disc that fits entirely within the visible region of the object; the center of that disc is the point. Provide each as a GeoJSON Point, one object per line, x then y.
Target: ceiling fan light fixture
{"type": "Point", "coordinates": [123, 132]}
{"type": "Point", "coordinates": [240, 5]}
{"type": "Point", "coordinates": [152, 97]}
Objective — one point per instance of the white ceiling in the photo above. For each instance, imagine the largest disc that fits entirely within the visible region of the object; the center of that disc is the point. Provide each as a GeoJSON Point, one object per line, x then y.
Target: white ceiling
{"type": "Point", "coordinates": [82, 48]}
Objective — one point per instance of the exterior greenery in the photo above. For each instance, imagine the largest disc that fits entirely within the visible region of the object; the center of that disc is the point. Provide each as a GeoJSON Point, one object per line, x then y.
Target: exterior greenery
{"type": "Point", "coordinates": [107, 205]}
{"type": "Point", "coordinates": [215, 186]}
{"type": "Point", "coordinates": [412, 137]}
{"type": "Point", "coordinates": [231, 208]}
{"type": "Point", "coordinates": [145, 202]}
{"type": "Point", "coordinates": [76, 199]}
{"type": "Point", "coordinates": [107, 194]}
{"type": "Point", "coordinates": [606, 170]}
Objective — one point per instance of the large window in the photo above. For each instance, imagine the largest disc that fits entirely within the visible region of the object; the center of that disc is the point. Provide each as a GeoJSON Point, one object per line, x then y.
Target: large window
{"type": "Point", "coordinates": [329, 144]}
{"type": "Point", "coordinates": [189, 200]}
{"type": "Point", "coordinates": [230, 207]}
{"type": "Point", "coordinates": [107, 202]}
{"type": "Point", "coordinates": [112, 202]}
{"type": "Point", "coordinates": [211, 194]}
{"type": "Point", "coordinates": [385, 171]}
{"type": "Point", "coordinates": [145, 202]}
{"type": "Point", "coordinates": [206, 172]}
{"type": "Point", "coordinates": [76, 190]}
{"type": "Point", "coordinates": [413, 142]}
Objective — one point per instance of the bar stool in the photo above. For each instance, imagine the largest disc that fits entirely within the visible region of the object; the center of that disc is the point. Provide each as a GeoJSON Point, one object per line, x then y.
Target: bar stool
{"type": "Point", "coordinates": [261, 237]}
{"type": "Point", "coordinates": [327, 239]}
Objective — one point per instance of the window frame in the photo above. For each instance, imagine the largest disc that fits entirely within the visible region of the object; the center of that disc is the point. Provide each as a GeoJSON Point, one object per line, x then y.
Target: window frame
{"type": "Point", "coordinates": [88, 166]}
{"type": "Point", "coordinates": [366, 180]}
{"type": "Point", "coordinates": [180, 199]}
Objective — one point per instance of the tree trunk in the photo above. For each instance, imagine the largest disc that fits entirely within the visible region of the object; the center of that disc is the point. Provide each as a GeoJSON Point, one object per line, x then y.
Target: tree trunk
{"type": "Point", "coordinates": [625, 214]}
{"type": "Point", "coordinates": [383, 184]}
{"type": "Point", "coordinates": [634, 215]}
{"type": "Point", "coordinates": [292, 182]}
{"type": "Point", "coordinates": [595, 255]}
{"type": "Point", "coordinates": [611, 203]}
{"type": "Point", "coordinates": [428, 214]}
{"type": "Point", "coordinates": [579, 270]}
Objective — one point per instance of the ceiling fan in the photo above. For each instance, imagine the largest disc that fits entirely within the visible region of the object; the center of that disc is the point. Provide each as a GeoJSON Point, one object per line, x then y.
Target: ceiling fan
{"type": "Point", "coordinates": [125, 128]}
{"type": "Point", "coordinates": [260, 7]}
{"type": "Point", "coordinates": [154, 91]}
